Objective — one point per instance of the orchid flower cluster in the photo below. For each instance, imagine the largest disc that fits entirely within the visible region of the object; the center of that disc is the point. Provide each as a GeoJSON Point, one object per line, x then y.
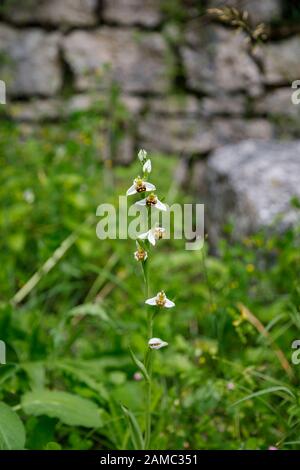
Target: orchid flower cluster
{"type": "Point", "coordinates": [144, 244]}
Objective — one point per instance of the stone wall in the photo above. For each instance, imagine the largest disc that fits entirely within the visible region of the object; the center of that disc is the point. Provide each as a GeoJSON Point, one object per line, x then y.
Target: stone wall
{"type": "Point", "coordinates": [190, 83]}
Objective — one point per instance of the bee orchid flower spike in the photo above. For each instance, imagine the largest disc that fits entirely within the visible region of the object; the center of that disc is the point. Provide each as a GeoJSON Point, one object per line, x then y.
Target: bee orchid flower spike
{"type": "Point", "coordinates": [142, 254]}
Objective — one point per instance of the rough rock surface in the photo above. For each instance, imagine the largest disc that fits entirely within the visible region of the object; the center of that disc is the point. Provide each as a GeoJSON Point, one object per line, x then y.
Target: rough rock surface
{"type": "Point", "coordinates": [136, 61]}
{"type": "Point", "coordinates": [217, 60]}
{"type": "Point", "coordinates": [48, 109]}
{"type": "Point", "coordinates": [278, 103]}
{"type": "Point", "coordinates": [30, 64]}
{"type": "Point", "coordinates": [193, 135]}
{"type": "Point", "coordinates": [281, 61]}
{"type": "Point", "coordinates": [190, 86]}
{"type": "Point", "coordinates": [236, 129]}
{"type": "Point", "coordinates": [132, 12]}
{"type": "Point", "coordinates": [233, 105]}
{"type": "Point", "coordinates": [252, 183]}
{"type": "Point", "coordinates": [54, 12]}
{"type": "Point", "coordinates": [181, 135]}
{"type": "Point", "coordinates": [36, 110]}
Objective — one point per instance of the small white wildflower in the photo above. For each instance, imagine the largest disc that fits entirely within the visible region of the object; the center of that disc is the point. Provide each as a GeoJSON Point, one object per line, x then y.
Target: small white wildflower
{"type": "Point", "coordinates": [140, 186]}
{"type": "Point", "coordinates": [157, 343]}
{"type": "Point", "coordinates": [152, 200]}
{"type": "Point", "coordinates": [140, 254]}
{"type": "Point", "coordinates": [154, 234]}
{"type": "Point", "coordinates": [142, 155]}
{"type": "Point", "coordinates": [160, 300]}
{"type": "Point", "coordinates": [147, 168]}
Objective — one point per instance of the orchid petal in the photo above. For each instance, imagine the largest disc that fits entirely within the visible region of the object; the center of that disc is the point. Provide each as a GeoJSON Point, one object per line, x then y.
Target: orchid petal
{"type": "Point", "coordinates": [143, 236]}
{"type": "Point", "coordinates": [151, 237]}
{"type": "Point", "coordinates": [160, 206]}
{"type": "Point", "coordinates": [131, 190]}
{"type": "Point", "coordinates": [150, 186]}
{"type": "Point", "coordinates": [151, 301]}
{"type": "Point", "coordinates": [142, 202]}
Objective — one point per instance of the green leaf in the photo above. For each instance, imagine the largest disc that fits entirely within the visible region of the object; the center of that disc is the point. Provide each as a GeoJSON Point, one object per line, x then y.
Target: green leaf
{"type": "Point", "coordinates": [264, 392]}
{"type": "Point", "coordinates": [135, 430]}
{"type": "Point", "coordinates": [140, 365]}
{"type": "Point", "coordinates": [89, 309]}
{"type": "Point", "coordinates": [94, 310]}
{"type": "Point", "coordinates": [36, 374]}
{"type": "Point", "coordinates": [70, 409]}
{"type": "Point", "coordinates": [12, 431]}
{"type": "Point", "coordinates": [79, 373]}
{"type": "Point", "coordinates": [7, 371]}
{"type": "Point", "coordinates": [52, 446]}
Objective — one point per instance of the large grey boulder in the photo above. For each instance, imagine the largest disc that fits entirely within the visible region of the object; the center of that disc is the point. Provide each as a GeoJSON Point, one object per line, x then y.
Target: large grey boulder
{"type": "Point", "coordinates": [135, 60]}
{"type": "Point", "coordinates": [30, 63]}
{"type": "Point", "coordinates": [252, 184]}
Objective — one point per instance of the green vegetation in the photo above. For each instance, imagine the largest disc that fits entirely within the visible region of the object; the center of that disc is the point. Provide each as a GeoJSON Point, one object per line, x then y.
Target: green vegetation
{"type": "Point", "coordinates": [226, 379]}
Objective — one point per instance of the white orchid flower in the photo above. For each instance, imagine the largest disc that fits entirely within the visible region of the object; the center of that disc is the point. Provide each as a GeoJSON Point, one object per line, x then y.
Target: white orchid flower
{"type": "Point", "coordinates": [152, 200]}
{"type": "Point", "coordinates": [153, 235]}
{"type": "Point", "coordinates": [142, 155]}
{"type": "Point", "coordinates": [140, 186]}
{"type": "Point", "coordinates": [156, 343]}
{"type": "Point", "coordinates": [160, 300]}
{"type": "Point", "coordinates": [140, 254]}
{"type": "Point", "coordinates": [147, 168]}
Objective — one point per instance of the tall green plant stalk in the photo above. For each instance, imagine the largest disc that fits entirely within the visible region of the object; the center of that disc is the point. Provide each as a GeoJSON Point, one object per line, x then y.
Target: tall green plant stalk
{"type": "Point", "coordinates": [144, 243]}
{"type": "Point", "coordinates": [148, 365]}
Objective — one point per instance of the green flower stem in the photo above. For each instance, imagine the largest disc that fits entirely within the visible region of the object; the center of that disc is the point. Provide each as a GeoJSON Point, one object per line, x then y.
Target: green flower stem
{"type": "Point", "coordinates": [148, 355]}
{"type": "Point", "coordinates": [148, 364]}
{"type": "Point", "coordinates": [148, 403]}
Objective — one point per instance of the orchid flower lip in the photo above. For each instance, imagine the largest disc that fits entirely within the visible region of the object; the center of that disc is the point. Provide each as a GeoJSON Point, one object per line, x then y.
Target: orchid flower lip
{"type": "Point", "coordinates": [139, 186]}
{"type": "Point", "coordinates": [140, 254]}
{"type": "Point", "coordinates": [152, 201]}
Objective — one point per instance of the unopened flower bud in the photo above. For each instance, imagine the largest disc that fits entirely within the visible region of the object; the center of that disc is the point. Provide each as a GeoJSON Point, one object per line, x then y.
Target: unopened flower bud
{"type": "Point", "coordinates": [157, 343]}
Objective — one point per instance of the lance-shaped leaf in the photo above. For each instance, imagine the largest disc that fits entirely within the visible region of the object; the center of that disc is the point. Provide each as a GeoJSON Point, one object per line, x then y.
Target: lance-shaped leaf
{"type": "Point", "coordinates": [135, 430]}
{"type": "Point", "coordinates": [140, 366]}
